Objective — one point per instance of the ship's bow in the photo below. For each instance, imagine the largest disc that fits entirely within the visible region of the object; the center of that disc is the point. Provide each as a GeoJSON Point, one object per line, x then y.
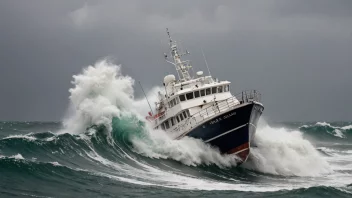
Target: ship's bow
{"type": "Point", "coordinates": [248, 132]}
{"type": "Point", "coordinates": [231, 131]}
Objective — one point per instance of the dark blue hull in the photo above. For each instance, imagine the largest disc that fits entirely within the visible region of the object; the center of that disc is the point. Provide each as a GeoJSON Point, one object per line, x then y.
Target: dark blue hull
{"type": "Point", "coordinates": [232, 131]}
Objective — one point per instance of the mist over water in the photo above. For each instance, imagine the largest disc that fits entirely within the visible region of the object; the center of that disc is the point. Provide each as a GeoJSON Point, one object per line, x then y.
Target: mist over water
{"type": "Point", "coordinates": [106, 145]}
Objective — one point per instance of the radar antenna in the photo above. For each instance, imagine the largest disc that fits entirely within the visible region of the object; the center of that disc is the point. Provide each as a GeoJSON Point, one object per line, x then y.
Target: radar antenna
{"type": "Point", "coordinates": [182, 67]}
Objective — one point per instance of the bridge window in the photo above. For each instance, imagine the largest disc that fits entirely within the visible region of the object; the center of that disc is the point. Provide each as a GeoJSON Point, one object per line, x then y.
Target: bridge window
{"type": "Point", "coordinates": [208, 91]}
{"type": "Point", "coordinates": [172, 122]}
{"type": "Point", "coordinates": [227, 88]}
{"type": "Point", "coordinates": [202, 92]}
{"type": "Point", "coordinates": [167, 124]}
{"type": "Point", "coordinates": [181, 116]}
{"type": "Point", "coordinates": [162, 126]}
{"type": "Point", "coordinates": [172, 103]}
{"type": "Point", "coordinates": [213, 90]}
{"type": "Point", "coordinates": [189, 96]}
{"type": "Point", "coordinates": [182, 98]}
{"type": "Point", "coordinates": [178, 119]}
{"type": "Point", "coordinates": [196, 94]}
{"type": "Point", "coordinates": [184, 114]}
{"type": "Point", "coordinates": [220, 89]}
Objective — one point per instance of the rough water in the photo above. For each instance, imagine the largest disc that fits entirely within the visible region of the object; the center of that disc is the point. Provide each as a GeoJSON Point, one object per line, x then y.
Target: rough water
{"type": "Point", "coordinates": [104, 148]}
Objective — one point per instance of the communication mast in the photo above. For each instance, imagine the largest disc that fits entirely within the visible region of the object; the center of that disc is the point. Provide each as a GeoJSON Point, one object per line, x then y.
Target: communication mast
{"type": "Point", "coordinates": [182, 67]}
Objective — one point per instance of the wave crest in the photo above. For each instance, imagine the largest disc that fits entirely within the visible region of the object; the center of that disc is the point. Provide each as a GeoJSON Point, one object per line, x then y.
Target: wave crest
{"type": "Point", "coordinates": [282, 152]}
{"type": "Point", "coordinates": [102, 96]}
{"type": "Point", "coordinates": [327, 131]}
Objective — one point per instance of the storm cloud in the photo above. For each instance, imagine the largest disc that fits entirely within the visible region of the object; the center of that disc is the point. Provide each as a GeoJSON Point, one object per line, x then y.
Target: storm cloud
{"type": "Point", "coordinates": [297, 53]}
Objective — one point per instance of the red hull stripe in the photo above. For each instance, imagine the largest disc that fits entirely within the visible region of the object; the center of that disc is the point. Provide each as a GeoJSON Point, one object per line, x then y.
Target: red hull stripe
{"type": "Point", "coordinates": [241, 147]}
{"type": "Point", "coordinates": [243, 155]}
{"type": "Point", "coordinates": [241, 151]}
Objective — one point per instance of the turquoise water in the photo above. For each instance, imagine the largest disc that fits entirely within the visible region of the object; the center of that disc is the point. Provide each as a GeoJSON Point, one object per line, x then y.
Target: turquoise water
{"type": "Point", "coordinates": [38, 159]}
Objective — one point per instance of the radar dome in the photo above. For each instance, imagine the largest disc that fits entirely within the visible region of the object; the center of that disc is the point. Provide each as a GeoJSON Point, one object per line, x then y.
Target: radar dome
{"type": "Point", "coordinates": [199, 73]}
{"type": "Point", "coordinates": [169, 79]}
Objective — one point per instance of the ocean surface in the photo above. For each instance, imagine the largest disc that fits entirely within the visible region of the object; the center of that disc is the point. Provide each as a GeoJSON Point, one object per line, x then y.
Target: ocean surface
{"type": "Point", "coordinates": [291, 160]}
{"type": "Point", "coordinates": [104, 148]}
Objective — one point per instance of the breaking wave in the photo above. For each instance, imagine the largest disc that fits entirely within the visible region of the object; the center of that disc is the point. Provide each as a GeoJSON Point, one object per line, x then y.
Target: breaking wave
{"type": "Point", "coordinates": [283, 152]}
{"type": "Point", "coordinates": [103, 97]}
{"type": "Point", "coordinates": [326, 131]}
{"type": "Point", "coordinates": [104, 135]}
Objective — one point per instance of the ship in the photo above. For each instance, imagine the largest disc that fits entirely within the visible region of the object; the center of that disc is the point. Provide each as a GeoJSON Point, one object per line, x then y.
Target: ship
{"type": "Point", "coordinates": [202, 107]}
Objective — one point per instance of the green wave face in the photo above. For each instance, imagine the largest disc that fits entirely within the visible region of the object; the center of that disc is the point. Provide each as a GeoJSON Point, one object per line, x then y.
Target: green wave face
{"type": "Point", "coordinates": [329, 132]}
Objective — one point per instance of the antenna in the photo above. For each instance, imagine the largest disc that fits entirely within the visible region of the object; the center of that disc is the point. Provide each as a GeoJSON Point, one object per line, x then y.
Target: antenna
{"type": "Point", "coordinates": [146, 98]}
{"type": "Point", "coordinates": [205, 60]}
{"type": "Point", "coordinates": [168, 33]}
{"type": "Point", "coordinates": [182, 67]}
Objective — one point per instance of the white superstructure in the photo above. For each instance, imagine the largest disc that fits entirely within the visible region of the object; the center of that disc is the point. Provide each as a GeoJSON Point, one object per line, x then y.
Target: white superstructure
{"type": "Point", "coordinates": [189, 100]}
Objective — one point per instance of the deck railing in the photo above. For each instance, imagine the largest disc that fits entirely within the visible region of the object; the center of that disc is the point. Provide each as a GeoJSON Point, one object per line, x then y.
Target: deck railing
{"type": "Point", "coordinates": [248, 96]}
{"type": "Point", "coordinates": [218, 107]}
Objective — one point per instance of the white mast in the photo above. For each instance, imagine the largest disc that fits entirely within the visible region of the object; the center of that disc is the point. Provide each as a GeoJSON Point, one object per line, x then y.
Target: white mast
{"type": "Point", "coordinates": [182, 67]}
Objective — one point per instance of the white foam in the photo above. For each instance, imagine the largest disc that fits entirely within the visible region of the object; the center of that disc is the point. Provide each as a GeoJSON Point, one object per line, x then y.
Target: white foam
{"type": "Point", "coordinates": [55, 163]}
{"type": "Point", "coordinates": [149, 175]}
{"type": "Point", "coordinates": [50, 139]}
{"type": "Point", "coordinates": [101, 92]}
{"type": "Point", "coordinates": [27, 137]}
{"type": "Point", "coordinates": [337, 154]}
{"type": "Point", "coordinates": [338, 133]}
{"type": "Point", "coordinates": [141, 105]}
{"type": "Point", "coordinates": [327, 150]}
{"type": "Point", "coordinates": [284, 152]}
{"type": "Point", "coordinates": [337, 130]}
{"type": "Point", "coordinates": [18, 157]}
{"type": "Point", "coordinates": [347, 127]}
{"type": "Point", "coordinates": [304, 126]}
{"type": "Point", "coordinates": [29, 195]}
{"type": "Point", "coordinates": [324, 124]}
{"type": "Point", "coordinates": [189, 151]}
{"type": "Point", "coordinates": [334, 127]}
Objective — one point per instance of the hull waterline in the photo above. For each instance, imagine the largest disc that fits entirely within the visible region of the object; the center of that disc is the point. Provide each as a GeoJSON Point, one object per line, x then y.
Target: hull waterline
{"type": "Point", "coordinates": [232, 131]}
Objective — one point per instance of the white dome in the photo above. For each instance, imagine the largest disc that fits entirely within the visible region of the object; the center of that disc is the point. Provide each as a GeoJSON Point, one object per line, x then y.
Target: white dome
{"type": "Point", "coordinates": [169, 79]}
{"type": "Point", "coordinates": [199, 73]}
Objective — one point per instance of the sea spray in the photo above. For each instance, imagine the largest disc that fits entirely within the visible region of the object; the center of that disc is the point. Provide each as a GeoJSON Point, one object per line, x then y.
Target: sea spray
{"type": "Point", "coordinates": [189, 151]}
{"type": "Point", "coordinates": [280, 151]}
{"type": "Point", "coordinates": [141, 104]}
{"type": "Point", "coordinates": [142, 159]}
{"type": "Point", "coordinates": [101, 94]}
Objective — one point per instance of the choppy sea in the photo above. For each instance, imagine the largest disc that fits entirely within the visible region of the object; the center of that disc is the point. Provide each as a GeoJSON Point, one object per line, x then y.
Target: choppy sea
{"type": "Point", "coordinates": [104, 148]}
{"type": "Point", "coordinates": [291, 160]}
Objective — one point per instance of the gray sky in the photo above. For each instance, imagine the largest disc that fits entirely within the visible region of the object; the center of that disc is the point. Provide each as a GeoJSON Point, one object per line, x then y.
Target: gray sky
{"type": "Point", "coordinates": [297, 53]}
